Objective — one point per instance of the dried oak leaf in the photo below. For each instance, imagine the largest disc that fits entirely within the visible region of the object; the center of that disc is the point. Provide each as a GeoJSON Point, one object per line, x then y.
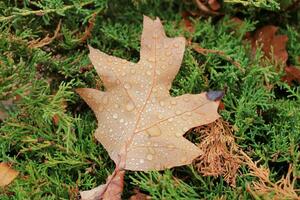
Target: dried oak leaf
{"type": "Point", "coordinates": [139, 123]}
{"type": "Point", "coordinates": [137, 112]}
{"type": "Point", "coordinates": [7, 174]}
{"type": "Point", "coordinates": [266, 36]}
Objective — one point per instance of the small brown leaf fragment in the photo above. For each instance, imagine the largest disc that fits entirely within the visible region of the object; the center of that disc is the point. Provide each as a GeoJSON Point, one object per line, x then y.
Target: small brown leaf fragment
{"type": "Point", "coordinates": [266, 36]}
{"type": "Point", "coordinates": [187, 24]}
{"type": "Point", "coordinates": [55, 119]}
{"type": "Point", "coordinates": [139, 196]}
{"type": "Point", "coordinates": [111, 190]}
{"type": "Point", "coordinates": [236, 24]}
{"type": "Point", "coordinates": [7, 174]}
{"type": "Point", "coordinates": [292, 73]}
{"type": "Point", "coordinates": [214, 5]}
{"type": "Point", "coordinates": [4, 105]}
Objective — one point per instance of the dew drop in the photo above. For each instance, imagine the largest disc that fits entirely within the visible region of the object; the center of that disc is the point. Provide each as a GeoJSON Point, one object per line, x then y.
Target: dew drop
{"type": "Point", "coordinates": [177, 112]}
{"type": "Point", "coordinates": [129, 106]}
{"type": "Point", "coordinates": [110, 59]}
{"type": "Point", "coordinates": [161, 103]}
{"type": "Point", "coordinates": [115, 116]}
{"type": "Point", "coordinates": [173, 102]}
{"type": "Point", "coordinates": [121, 120]}
{"type": "Point", "coordinates": [186, 99]}
{"type": "Point", "coordinates": [151, 150]}
{"type": "Point", "coordinates": [176, 45]}
{"type": "Point", "coordinates": [132, 71]}
{"type": "Point", "coordinates": [185, 129]}
{"type": "Point", "coordinates": [154, 89]}
{"type": "Point", "coordinates": [105, 100]}
{"type": "Point", "coordinates": [171, 146]}
{"type": "Point", "coordinates": [123, 74]}
{"type": "Point", "coordinates": [183, 159]}
{"type": "Point", "coordinates": [148, 73]}
{"type": "Point", "coordinates": [170, 119]}
{"type": "Point", "coordinates": [163, 67]}
{"type": "Point", "coordinates": [142, 160]}
{"type": "Point", "coordinates": [189, 113]}
{"type": "Point", "coordinates": [184, 117]}
{"type": "Point", "coordinates": [153, 131]}
{"type": "Point", "coordinates": [151, 59]}
{"type": "Point", "coordinates": [116, 106]}
{"type": "Point", "coordinates": [127, 86]}
{"type": "Point", "coordinates": [149, 157]}
{"type": "Point", "coordinates": [178, 134]}
{"type": "Point", "coordinates": [154, 36]}
{"type": "Point", "coordinates": [160, 116]}
{"type": "Point", "coordinates": [168, 53]}
{"type": "Point", "coordinates": [110, 130]}
{"type": "Point", "coordinates": [100, 108]}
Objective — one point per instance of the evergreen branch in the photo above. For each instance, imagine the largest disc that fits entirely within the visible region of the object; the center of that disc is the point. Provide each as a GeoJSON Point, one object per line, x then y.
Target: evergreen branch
{"type": "Point", "coordinates": [42, 12]}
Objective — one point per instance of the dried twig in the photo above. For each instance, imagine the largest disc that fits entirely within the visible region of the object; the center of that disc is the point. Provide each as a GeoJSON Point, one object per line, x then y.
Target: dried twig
{"type": "Point", "coordinates": [45, 41]}
{"type": "Point", "coordinates": [87, 32]}
{"type": "Point", "coordinates": [203, 51]}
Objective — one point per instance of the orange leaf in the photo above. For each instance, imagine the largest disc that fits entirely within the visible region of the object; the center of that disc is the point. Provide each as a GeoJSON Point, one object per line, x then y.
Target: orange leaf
{"type": "Point", "coordinates": [292, 74]}
{"type": "Point", "coordinates": [7, 174]}
{"type": "Point", "coordinates": [266, 37]}
{"type": "Point", "coordinates": [139, 196]}
{"type": "Point", "coordinates": [139, 123]}
{"type": "Point", "coordinates": [214, 5]}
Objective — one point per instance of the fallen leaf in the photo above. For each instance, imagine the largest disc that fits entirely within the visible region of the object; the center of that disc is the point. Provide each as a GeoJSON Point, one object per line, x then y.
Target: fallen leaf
{"type": "Point", "coordinates": [291, 74]}
{"type": "Point", "coordinates": [187, 24]}
{"type": "Point", "coordinates": [214, 5]}
{"type": "Point", "coordinates": [266, 36]}
{"type": "Point", "coordinates": [111, 190]}
{"type": "Point", "coordinates": [139, 196]}
{"type": "Point", "coordinates": [139, 123]}
{"type": "Point", "coordinates": [7, 174]}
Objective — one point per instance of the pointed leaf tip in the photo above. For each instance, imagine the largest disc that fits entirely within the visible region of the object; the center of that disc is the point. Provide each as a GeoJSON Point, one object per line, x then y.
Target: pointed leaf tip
{"type": "Point", "coordinates": [215, 95]}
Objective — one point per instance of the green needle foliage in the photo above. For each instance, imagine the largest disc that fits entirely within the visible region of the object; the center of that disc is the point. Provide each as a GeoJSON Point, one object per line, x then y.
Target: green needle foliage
{"type": "Point", "coordinates": [48, 134]}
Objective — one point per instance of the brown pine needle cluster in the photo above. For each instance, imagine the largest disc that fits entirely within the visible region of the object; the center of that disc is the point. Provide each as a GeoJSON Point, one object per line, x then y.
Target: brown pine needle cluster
{"type": "Point", "coordinates": [264, 187]}
{"type": "Point", "coordinates": [219, 157]}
